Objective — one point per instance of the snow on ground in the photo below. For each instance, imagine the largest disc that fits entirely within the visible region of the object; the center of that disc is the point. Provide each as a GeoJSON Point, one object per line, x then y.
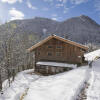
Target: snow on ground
{"type": "Point", "coordinates": [92, 55]}
{"type": "Point", "coordinates": [17, 87]}
{"type": "Point", "coordinates": [93, 92]}
{"type": "Point", "coordinates": [65, 86]}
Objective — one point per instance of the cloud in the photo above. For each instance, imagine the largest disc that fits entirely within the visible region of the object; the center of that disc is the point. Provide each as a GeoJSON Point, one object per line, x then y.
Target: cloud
{"type": "Point", "coordinates": [51, 2]}
{"type": "Point", "coordinates": [66, 10]}
{"type": "Point", "coordinates": [54, 18]}
{"type": "Point", "coordinates": [30, 5]}
{"type": "Point", "coordinates": [78, 1]}
{"type": "Point", "coordinates": [20, 1]}
{"type": "Point", "coordinates": [11, 1]}
{"type": "Point", "coordinates": [73, 1]}
{"type": "Point", "coordinates": [16, 14]}
{"type": "Point", "coordinates": [59, 5]}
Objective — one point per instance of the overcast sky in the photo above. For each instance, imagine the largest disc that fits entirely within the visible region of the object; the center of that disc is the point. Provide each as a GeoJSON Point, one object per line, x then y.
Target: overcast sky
{"type": "Point", "coordinates": [55, 9]}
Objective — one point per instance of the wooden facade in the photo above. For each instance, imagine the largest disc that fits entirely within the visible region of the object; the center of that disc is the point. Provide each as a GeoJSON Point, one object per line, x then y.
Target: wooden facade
{"type": "Point", "coordinates": [57, 49]}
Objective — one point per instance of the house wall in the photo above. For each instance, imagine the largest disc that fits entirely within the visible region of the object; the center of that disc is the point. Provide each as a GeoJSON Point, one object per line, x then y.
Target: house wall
{"type": "Point", "coordinates": [50, 70]}
{"type": "Point", "coordinates": [58, 51]}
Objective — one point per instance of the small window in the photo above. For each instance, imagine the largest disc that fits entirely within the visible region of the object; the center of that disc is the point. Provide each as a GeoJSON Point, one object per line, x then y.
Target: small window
{"type": "Point", "coordinates": [59, 47]}
{"type": "Point", "coordinates": [49, 54]}
{"type": "Point", "coordinates": [49, 46]}
{"type": "Point", "coordinates": [58, 53]}
{"type": "Point", "coordinates": [38, 53]}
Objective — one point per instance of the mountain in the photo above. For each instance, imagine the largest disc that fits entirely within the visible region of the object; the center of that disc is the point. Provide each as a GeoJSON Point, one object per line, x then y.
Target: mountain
{"type": "Point", "coordinates": [19, 35]}
{"type": "Point", "coordinates": [81, 29]}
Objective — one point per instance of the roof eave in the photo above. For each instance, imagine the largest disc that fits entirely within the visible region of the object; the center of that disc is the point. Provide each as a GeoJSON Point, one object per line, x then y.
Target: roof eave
{"type": "Point", "coordinates": [59, 38]}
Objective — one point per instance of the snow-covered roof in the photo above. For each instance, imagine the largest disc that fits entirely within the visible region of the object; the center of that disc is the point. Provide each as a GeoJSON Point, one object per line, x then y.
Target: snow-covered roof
{"type": "Point", "coordinates": [92, 55]}
{"type": "Point", "coordinates": [56, 64]}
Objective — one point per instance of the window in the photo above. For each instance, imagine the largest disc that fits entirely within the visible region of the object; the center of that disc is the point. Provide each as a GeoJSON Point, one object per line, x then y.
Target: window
{"type": "Point", "coordinates": [58, 53]}
{"type": "Point", "coordinates": [38, 53]}
{"type": "Point", "coordinates": [49, 54]}
{"type": "Point", "coordinates": [49, 46]}
{"type": "Point", "coordinates": [59, 47]}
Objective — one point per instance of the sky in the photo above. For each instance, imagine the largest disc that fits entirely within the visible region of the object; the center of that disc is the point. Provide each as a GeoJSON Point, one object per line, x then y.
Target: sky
{"type": "Point", "coordinates": [59, 10]}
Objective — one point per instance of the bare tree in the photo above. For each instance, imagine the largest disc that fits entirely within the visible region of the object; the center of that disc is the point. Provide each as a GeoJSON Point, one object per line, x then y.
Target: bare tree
{"type": "Point", "coordinates": [0, 81]}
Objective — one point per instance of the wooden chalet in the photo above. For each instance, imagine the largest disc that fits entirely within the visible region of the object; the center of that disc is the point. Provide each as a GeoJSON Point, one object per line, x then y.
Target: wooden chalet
{"type": "Point", "coordinates": [55, 54]}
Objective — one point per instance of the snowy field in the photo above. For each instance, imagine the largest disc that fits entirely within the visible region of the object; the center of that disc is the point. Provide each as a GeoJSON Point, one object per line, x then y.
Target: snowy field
{"type": "Point", "coordinates": [93, 92]}
{"type": "Point", "coordinates": [64, 86]}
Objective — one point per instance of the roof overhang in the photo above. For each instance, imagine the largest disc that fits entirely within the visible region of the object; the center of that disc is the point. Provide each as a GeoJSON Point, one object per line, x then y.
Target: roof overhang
{"type": "Point", "coordinates": [58, 38]}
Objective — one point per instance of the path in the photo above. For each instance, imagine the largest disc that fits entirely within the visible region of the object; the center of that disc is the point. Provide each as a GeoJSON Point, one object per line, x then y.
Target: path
{"type": "Point", "coordinates": [58, 87]}
{"type": "Point", "coordinates": [26, 90]}
{"type": "Point", "coordinates": [93, 92]}
{"type": "Point", "coordinates": [82, 94]}
{"type": "Point", "coordinates": [18, 86]}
